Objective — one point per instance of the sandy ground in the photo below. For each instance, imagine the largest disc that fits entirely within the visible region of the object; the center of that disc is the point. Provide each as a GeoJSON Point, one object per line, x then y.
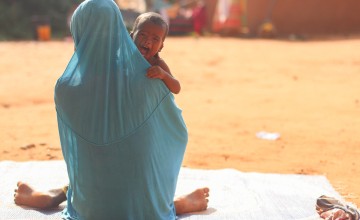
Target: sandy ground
{"type": "Point", "coordinates": [308, 92]}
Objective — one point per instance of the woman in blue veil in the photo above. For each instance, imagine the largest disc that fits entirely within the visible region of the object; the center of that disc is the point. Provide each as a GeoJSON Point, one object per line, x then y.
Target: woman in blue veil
{"type": "Point", "coordinates": [122, 136]}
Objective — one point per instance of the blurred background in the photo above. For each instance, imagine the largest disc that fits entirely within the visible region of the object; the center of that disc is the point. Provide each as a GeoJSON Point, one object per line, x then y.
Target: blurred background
{"type": "Point", "coordinates": [304, 85]}
{"type": "Point", "coordinates": [21, 20]}
{"type": "Point", "coordinates": [294, 19]}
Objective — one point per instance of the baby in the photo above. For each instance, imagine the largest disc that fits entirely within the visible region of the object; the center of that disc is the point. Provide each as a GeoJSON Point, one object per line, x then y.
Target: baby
{"type": "Point", "coordinates": [149, 33]}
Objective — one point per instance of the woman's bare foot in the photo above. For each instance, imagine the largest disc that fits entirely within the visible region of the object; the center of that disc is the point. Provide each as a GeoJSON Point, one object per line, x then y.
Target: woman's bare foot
{"type": "Point", "coordinates": [27, 196]}
{"type": "Point", "coordinates": [193, 202]}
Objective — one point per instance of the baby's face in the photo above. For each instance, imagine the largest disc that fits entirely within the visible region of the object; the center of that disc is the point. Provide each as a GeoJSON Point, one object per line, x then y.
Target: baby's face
{"type": "Point", "coordinates": [149, 39]}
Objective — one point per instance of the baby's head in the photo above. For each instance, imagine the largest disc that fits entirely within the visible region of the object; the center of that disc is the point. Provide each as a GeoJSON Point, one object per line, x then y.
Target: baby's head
{"type": "Point", "coordinates": [149, 32]}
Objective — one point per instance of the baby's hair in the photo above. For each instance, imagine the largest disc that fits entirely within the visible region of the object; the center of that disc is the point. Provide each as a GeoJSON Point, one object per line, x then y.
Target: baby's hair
{"type": "Point", "coordinates": [153, 17]}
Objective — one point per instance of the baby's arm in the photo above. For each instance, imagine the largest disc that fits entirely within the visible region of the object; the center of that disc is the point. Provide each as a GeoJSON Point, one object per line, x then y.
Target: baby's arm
{"type": "Point", "coordinates": [162, 71]}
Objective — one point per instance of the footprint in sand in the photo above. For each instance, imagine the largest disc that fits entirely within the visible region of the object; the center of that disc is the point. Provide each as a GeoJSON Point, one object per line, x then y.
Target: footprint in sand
{"type": "Point", "coordinates": [50, 157]}
{"type": "Point", "coordinates": [28, 146]}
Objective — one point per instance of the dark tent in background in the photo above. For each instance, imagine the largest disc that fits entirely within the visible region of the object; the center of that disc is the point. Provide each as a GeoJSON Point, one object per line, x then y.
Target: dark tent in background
{"type": "Point", "coordinates": [287, 17]}
{"type": "Point", "coordinates": [306, 17]}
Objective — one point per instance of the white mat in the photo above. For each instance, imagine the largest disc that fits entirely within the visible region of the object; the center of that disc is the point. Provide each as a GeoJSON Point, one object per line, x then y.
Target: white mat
{"type": "Point", "coordinates": [233, 194]}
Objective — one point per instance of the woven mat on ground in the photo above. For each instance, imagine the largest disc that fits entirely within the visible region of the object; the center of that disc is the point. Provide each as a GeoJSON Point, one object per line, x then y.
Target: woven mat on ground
{"type": "Point", "coordinates": [233, 194]}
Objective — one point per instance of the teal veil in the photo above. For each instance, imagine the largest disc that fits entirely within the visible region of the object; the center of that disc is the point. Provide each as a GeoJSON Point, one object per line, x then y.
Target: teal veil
{"type": "Point", "coordinates": [122, 136]}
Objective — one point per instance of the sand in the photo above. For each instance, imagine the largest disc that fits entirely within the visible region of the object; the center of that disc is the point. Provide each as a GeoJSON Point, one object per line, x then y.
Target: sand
{"type": "Point", "coordinates": [308, 92]}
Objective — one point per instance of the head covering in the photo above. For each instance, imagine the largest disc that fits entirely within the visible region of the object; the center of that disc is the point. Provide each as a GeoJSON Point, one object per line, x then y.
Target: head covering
{"type": "Point", "coordinates": [123, 137]}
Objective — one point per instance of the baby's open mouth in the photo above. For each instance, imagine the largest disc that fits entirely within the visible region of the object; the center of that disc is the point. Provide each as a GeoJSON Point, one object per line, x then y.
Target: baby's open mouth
{"type": "Point", "coordinates": [144, 50]}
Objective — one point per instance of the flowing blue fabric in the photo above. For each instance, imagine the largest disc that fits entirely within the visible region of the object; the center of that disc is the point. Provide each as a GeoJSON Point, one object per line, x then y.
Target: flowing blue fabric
{"type": "Point", "coordinates": [123, 137]}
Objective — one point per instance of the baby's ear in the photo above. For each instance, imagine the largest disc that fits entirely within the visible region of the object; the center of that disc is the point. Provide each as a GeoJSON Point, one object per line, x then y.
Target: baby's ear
{"type": "Point", "coordinates": [162, 46]}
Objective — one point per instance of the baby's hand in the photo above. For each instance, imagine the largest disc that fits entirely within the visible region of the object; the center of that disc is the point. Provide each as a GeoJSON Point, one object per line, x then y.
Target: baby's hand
{"type": "Point", "coordinates": [156, 72]}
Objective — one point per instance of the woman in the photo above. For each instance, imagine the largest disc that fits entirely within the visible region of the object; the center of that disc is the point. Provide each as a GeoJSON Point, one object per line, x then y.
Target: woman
{"type": "Point", "coordinates": [123, 138]}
